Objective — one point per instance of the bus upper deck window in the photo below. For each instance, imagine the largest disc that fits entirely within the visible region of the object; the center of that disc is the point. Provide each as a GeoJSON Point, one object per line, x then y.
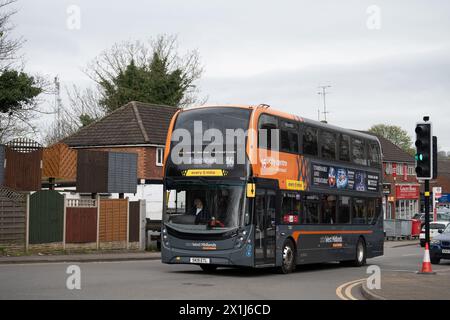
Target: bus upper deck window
{"type": "Point", "coordinates": [328, 144]}
{"type": "Point", "coordinates": [289, 137]}
{"type": "Point", "coordinates": [310, 141]}
{"type": "Point", "coordinates": [267, 134]}
{"type": "Point", "coordinates": [359, 152]}
{"type": "Point", "coordinates": [374, 154]}
{"type": "Point", "coordinates": [344, 148]}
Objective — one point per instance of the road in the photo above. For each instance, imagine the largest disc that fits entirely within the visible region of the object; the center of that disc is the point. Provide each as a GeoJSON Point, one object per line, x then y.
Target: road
{"type": "Point", "coordinates": [153, 280]}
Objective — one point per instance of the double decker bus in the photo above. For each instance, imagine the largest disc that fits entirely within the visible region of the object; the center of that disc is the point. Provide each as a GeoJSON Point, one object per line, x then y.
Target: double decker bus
{"type": "Point", "coordinates": [251, 186]}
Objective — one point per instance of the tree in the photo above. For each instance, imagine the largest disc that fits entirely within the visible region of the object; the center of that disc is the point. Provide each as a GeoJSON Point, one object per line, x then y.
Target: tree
{"type": "Point", "coordinates": [18, 91]}
{"type": "Point", "coordinates": [153, 73]}
{"type": "Point", "coordinates": [8, 46]}
{"type": "Point", "coordinates": [394, 134]}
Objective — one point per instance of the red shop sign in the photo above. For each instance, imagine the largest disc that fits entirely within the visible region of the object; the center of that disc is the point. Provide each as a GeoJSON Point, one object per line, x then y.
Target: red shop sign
{"type": "Point", "coordinates": [407, 191]}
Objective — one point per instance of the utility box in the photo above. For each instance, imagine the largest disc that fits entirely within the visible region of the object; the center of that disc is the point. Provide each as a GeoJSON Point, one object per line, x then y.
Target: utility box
{"type": "Point", "coordinates": [106, 172]}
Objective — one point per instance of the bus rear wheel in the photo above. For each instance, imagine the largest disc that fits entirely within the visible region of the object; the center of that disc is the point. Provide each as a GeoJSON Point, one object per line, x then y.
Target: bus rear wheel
{"type": "Point", "coordinates": [288, 258]}
{"type": "Point", "coordinates": [360, 255]}
{"type": "Point", "coordinates": [360, 259]}
{"type": "Point", "coordinates": [208, 267]}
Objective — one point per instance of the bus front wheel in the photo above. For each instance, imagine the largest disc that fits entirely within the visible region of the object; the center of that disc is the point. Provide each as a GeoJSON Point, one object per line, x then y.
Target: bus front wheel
{"type": "Point", "coordinates": [288, 258]}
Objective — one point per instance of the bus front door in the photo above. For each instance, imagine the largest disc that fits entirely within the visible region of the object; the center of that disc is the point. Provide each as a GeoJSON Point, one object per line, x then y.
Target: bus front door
{"type": "Point", "coordinates": [265, 231]}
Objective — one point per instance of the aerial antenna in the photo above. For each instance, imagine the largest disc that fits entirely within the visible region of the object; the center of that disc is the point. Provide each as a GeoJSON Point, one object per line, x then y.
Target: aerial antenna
{"type": "Point", "coordinates": [323, 92]}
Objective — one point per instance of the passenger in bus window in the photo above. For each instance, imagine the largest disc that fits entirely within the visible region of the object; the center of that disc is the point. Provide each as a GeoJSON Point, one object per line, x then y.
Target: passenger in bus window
{"type": "Point", "coordinates": [329, 209]}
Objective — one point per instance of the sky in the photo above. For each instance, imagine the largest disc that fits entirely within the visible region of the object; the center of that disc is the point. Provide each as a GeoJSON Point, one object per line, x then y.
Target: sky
{"type": "Point", "coordinates": [386, 61]}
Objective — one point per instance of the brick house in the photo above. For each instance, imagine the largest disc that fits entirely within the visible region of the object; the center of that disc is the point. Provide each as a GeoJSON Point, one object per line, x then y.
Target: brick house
{"type": "Point", "coordinates": [138, 128]}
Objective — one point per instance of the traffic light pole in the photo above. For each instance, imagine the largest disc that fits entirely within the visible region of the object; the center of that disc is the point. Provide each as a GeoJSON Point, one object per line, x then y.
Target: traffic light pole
{"type": "Point", "coordinates": [427, 211]}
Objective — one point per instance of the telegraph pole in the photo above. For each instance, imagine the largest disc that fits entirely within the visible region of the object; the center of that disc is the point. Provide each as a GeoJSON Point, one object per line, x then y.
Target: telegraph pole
{"type": "Point", "coordinates": [323, 93]}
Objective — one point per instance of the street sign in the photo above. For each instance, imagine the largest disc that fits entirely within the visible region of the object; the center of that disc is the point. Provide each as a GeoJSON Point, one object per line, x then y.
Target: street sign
{"type": "Point", "coordinates": [386, 188]}
{"type": "Point", "coordinates": [437, 192]}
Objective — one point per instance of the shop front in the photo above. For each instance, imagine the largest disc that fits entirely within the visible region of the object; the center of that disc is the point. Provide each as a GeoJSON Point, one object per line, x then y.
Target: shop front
{"type": "Point", "coordinates": [407, 198]}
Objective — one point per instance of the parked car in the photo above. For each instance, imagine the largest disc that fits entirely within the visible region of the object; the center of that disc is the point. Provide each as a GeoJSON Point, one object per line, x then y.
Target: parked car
{"type": "Point", "coordinates": [441, 216]}
{"type": "Point", "coordinates": [440, 246]}
{"type": "Point", "coordinates": [435, 227]}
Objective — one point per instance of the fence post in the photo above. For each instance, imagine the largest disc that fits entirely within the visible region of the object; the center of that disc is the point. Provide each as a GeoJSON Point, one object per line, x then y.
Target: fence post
{"type": "Point", "coordinates": [128, 223]}
{"type": "Point", "coordinates": [64, 223]}
{"type": "Point", "coordinates": [27, 221]}
{"type": "Point", "coordinates": [98, 220]}
{"type": "Point", "coordinates": [142, 224]}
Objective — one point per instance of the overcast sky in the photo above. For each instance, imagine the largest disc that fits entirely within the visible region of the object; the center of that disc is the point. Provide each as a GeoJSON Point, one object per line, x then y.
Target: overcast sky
{"type": "Point", "coordinates": [389, 70]}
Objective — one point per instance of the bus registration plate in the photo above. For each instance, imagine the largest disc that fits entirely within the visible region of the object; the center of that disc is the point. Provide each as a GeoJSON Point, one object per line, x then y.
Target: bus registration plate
{"type": "Point", "coordinates": [446, 251]}
{"type": "Point", "coordinates": [200, 260]}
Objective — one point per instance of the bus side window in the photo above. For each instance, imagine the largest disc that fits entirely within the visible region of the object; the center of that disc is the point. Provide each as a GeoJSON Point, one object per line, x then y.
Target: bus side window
{"type": "Point", "coordinates": [328, 145]}
{"type": "Point", "coordinates": [344, 210]}
{"type": "Point", "coordinates": [374, 154]}
{"type": "Point", "coordinates": [359, 211]}
{"type": "Point", "coordinates": [310, 141]}
{"type": "Point", "coordinates": [359, 151]}
{"type": "Point", "coordinates": [310, 209]}
{"type": "Point", "coordinates": [289, 137]}
{"type": "Point", "coordinates": [328, 209]}
{"type": "Point", "coordinates": [371, 210]}
{"type": "Point", "coordinates": [344, 147]}
{"type": "Point", "coordinates": [267, 131]}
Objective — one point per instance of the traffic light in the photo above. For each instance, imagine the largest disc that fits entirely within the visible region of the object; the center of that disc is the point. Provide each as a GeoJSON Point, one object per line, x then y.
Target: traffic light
{"type": "Point", "coordinates": [424, 151]}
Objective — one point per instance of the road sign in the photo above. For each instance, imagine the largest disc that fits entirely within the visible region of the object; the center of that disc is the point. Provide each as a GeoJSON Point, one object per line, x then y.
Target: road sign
{"type": "Point", "coordinates": [437, 192]}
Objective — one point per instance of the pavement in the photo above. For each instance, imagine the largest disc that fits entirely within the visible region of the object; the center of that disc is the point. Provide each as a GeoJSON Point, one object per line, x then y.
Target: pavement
{"type": "Point", "coordinates": [83, 257]}
{"type": "Point", "coordinates": [398, 285]}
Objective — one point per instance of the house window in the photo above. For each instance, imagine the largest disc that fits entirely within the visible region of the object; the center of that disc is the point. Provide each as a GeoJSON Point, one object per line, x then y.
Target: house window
{"type": "Point", "coordinates": [159, 156]}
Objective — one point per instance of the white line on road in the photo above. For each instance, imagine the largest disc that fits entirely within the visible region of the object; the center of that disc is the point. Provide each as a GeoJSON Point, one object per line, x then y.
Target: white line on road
{"type": "Point", "coordinates": [347, 289]}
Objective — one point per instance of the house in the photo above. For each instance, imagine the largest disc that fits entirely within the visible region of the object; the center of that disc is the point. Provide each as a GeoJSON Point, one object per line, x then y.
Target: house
{"type": "Point", "coordinates": [139, 128]}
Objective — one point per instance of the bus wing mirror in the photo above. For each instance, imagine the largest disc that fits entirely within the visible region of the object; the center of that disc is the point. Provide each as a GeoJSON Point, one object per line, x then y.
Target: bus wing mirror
{"type": "Point", "coordinates": [251, 190]}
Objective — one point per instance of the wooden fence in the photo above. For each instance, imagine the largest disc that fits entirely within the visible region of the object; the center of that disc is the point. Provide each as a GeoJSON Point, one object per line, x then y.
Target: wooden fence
{"type": "Point", "coordinates": [23, 170]}
{"type": "Point", "coordinates": [13, 207]}
{"type": "Point", "coordinates": [60, 162]}
{"type": "Point", "coordinates": [81, 220]}
{"type": "Point", "coordinates": [54, 222]}
{"type": "Point", "coordinates": [46, 217]}
{"type": "Point", "coordinates": [113, 223]}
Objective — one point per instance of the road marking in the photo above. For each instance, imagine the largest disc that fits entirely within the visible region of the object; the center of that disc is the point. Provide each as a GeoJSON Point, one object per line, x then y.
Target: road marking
{"type": "Point", "coordinates": [411, 255]}
{"type": "Point", "coordinates": [344, 291]}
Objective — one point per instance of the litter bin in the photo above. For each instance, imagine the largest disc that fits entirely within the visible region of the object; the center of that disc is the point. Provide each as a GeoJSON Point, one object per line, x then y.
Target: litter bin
{"type": "Point", "coordinates": [416, 226]}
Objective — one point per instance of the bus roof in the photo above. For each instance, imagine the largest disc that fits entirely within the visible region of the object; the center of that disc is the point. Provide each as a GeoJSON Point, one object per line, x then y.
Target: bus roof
{"type": "Point", "coordinates": [283, 114]}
